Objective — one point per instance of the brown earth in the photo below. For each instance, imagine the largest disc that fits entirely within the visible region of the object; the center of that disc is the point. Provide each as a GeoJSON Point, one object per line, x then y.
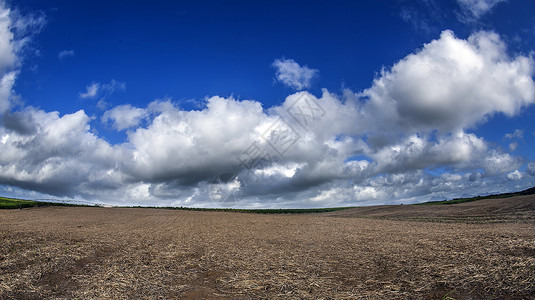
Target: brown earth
{"type": "Point", "coordinates": [478, 250]}
{"type": "Point", "coordinates": [520, 208]}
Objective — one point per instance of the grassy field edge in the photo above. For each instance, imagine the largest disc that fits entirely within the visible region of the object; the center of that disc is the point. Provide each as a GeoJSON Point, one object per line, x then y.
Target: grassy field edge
{"type": "Point", "coordinates": [13, 203]}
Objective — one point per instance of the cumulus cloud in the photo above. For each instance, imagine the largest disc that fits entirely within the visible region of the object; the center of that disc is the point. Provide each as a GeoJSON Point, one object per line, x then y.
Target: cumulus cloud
{"type": "Point", "coordinates": [65, 53]}
{"type": "Point", "coordinates": [405, 139]}
{"type": "Point", "coordinates": [191, 146]}
{"type": "Point", "coordinates": [177, 154]}
{"type": "Point", "coordinates": [496, 163]}
{"type": "Point", "coordinates": [90, 91]}
{"type": "Point", "coordinates": [124, 116]}
{"type": "Point", "coordinates": [515, 175]}
{"type": "Point", "coordinates": [8, 58]}
{"type": "Point", "coordinates": [293, 75]}
{"type": "Point", "coordinates": [58, 156]}
{"type": "Point", "coordinates": [456, 150]}
{"type": "Point", "coordinates": [451, 84]}
{"type": "Point", "coordinates": [478, 7]}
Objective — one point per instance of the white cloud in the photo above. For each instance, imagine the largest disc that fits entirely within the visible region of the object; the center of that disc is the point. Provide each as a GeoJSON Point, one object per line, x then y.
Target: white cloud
{"type": "Point", "coordinates": [26, 26]}
{"type": "Point", "coordinates": [8, 57]}
{"type": "Point", "coordinates": [102, 104]}
{"type": "Point", "coordinates": [91, 91]}
{"type": "Point", "coordinates": [497, 163]}
{"type": "Point", "coordinates": [451, 84]}
{"type": "Point", "coordinates": [97, 89]}
{"type": "Point", "coordinates": [16, 33]}
{"type": "Point", "coordinates": [113, 86]}
{"type": "Point", "coordinates": [517, 134]}
{"type": "Point", "coordinates": [124, 116]}
{"type": "Point", "coordinates": [531, 169]}
{"type": "Point", "coordinates": [59, 157]}
{"type": "Point", "coordinates": [478, 7]}
{"type": "Point", "coordinates": [7, 82]}
{"type": "Point", "coordinates": [293, 75]}
{"type": "Point", "coordinates": [65, 53]}
{"type": "Point", "coordinates": [194, 145]}
{"type": "Point", "coordinates": [177, 154]}
{"type": "Point", "coordinates": [366, 193]}
{"type": "Point", "coordinates": [515, 175]}
{"type": "Point", "coordinates": [456, 150]}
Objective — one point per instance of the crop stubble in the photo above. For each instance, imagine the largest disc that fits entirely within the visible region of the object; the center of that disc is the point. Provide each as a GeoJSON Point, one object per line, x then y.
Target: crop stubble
{"type": "Point", "coordinates": [89, 252]}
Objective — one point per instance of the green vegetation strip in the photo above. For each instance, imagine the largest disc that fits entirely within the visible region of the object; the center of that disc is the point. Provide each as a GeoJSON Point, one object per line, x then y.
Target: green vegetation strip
{"type": "Point", "coordinates": [11, 203]}
{"type": "Point", "coordinates": [16, 203]}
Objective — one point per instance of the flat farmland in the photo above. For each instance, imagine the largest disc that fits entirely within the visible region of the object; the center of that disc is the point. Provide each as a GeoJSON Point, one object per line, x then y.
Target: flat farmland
{"type": "Point", "coordinates": [478, 250]}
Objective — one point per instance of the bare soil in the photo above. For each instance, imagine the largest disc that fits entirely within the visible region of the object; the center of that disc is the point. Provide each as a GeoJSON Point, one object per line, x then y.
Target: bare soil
{"type": "Point", "coordinates": [515, 209]}
{"type": "Point", "coordinates": [478, 250]}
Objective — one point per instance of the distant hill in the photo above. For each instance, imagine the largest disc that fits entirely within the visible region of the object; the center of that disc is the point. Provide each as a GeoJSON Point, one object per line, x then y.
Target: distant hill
{"type": "Point", "coordinates": [529, 191]}
{"type": "Point", "coordinates": [508, 207]}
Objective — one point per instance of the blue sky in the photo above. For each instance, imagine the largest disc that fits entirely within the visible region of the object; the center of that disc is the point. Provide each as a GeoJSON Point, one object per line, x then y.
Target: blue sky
{"type": "Point", "coordinates": [154, 101]}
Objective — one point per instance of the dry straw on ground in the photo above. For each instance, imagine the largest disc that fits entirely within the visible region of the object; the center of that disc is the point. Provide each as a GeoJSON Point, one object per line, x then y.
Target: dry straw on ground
{"type": "Point", "coordinates": [479, 250]}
